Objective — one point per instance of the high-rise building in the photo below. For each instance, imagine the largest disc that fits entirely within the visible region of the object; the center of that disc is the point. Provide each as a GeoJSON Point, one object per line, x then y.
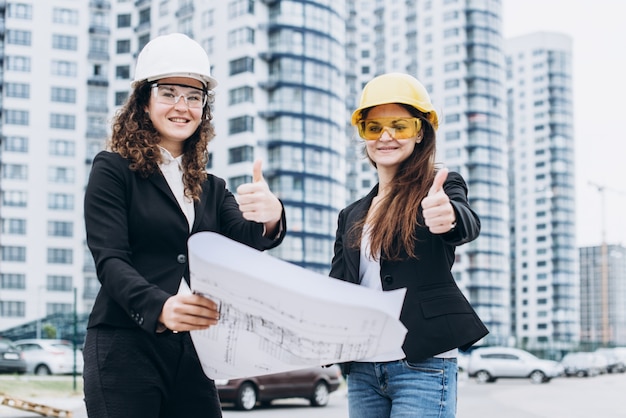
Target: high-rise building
{"type": "Point", "coordinates": [44, 105]}
{"type": "Point", "coordinates": [545, 286]}
{"type": "Point", "coordinates": [602, 296]}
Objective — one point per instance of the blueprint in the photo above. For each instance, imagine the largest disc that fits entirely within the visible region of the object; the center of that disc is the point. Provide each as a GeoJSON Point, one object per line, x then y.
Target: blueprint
{"type": "Point", "coordinates": [276, 316]}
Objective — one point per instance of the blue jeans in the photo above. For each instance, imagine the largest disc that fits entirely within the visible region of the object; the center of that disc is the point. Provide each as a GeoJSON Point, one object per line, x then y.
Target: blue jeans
{"type": "Point", "coordinates": [402, 389]}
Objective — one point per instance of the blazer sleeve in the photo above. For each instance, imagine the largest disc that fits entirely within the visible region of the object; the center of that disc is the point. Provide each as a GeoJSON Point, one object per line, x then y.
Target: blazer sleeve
{"type": "Point", "coordinates": [467, 221]}
{"type": "Point", "coordinates": [106, 224]}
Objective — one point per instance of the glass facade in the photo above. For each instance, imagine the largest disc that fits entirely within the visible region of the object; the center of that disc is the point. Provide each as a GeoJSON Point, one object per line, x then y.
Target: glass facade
{"type": "Point", "coordinates": [305, 141]}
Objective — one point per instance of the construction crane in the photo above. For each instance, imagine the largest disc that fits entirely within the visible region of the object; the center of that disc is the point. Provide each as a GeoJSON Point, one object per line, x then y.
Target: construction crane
{"type": "Point", "coordinates": [604, 268]}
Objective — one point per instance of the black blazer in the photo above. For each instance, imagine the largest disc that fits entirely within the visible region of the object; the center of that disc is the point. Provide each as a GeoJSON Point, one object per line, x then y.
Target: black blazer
{"type": "Point", "coordinates": [137, 234]}
{"type": "Point", "coordinates": [436, 314]}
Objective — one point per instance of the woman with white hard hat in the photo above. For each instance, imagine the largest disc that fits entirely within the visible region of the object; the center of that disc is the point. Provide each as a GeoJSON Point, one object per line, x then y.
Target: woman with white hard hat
{"type": "Point", "coordinates": [145, 196]}
{"type": "Point", "coordinates": [403, 234]}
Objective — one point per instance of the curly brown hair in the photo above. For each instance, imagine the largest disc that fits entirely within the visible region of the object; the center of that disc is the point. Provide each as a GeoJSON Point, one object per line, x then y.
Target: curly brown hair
{"type": "Point", "coordinates": [393, 229]}
{"type": "Point", "coordinates": [135, 137]}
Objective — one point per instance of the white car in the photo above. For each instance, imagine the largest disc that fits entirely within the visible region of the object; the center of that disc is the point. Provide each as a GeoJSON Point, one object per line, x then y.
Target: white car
{"type": "Point", "coordinates": [584, 364]}
{"type": "Point", "coordinates": [44, 357]}
{"type": "Point", "coordinates": [487, 364]}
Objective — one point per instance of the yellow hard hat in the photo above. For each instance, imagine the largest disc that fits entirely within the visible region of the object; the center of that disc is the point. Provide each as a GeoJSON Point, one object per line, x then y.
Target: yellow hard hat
{"type": "Point", "coordinates": [396, 88]}
{"type": "Point", "coordinates": [173, 55]}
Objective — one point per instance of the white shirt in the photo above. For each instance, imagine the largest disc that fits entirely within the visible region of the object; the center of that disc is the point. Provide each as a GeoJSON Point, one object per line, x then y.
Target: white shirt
{"type": "Point", "coordinates": [172, 170]}
{"type": "Point", "coordinates": [369, 272]}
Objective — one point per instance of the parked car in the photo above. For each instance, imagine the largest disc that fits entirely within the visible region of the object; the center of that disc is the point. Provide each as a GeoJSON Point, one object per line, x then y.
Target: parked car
{"type": "Point", "coordinates": [314, 383]}
{"type": "Point", "coordinates": [616, 358]}
{"type": "Point", "coordinates": [11, 359]}
{"type": "Point", "coordinates": [45, 357]}
{"type": "Point", "coordinates": [487, 364]}
{"type": "Point", "coordinates": [584, 364]}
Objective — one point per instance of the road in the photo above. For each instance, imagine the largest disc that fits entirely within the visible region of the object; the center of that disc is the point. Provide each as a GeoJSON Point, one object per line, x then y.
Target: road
{"type": "Point", "coordinates": [600, 396]}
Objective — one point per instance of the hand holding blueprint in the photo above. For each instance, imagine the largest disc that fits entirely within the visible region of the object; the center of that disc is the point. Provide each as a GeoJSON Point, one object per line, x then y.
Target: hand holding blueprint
{"type": "Point", "coordinates": [276, 316]}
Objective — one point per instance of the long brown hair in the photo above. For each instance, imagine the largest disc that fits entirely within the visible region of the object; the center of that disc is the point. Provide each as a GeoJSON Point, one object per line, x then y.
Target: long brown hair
{"type": "Point", "coordinates": [135, 137]}
{"type": "Point", "coordinates": [392, 227]}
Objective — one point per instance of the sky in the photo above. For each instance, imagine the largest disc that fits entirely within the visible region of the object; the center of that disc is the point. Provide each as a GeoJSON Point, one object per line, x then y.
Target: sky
{"type": "Point", "coordinates": [598, 32]}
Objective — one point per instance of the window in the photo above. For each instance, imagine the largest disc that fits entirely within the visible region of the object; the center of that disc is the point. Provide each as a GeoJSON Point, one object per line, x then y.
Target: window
{"type": "Point", "coordinates": [16, 117]}
{"type": "Point", "coordinates": [451, 66]}
{"type": "Point", "coordinates": [59, 256]}
{"type": "Point", "coordinates": [10, 308]}
{"type": "Point", "coordinates": [120, 97]}
{"type": "Point", "coordinates": [65, 16]}
{"type": "Point", "coordinates": [61, 175]}
{"type": "Point", "coordinates": [12, 281]}
{"type": "Point", "coordinates": [59, 283]}
{"type": "Point", "coordinates": [99, 46]}
{"type": "Point", "coordinates": [241, 124]}
{"type": "Point", "coordinates": [62, 147]}
{"type": "Point", "coordinates": [60, 229]}
{"type": "Point", "coordinates": [240, 154]}
{"type": "Point", "coordinates": [58, 308]}
{"type": "Point", "coordinates": [240, 36]}
{"type": "Point", "coordinates": [20, 11]}
{"type": "Point", "coordinates": [240, 7]}
{"type": "Point", "coordinates": [60, 201]}
{"type": "Point", "coordinates": [122, 72]}
{"type": "Point", "coordinates": [452, 83]}
{"type": "Point", "coordinates": [13, 226]}
{"type": "Point", "coordinates": [13, 253]}
{"type": "Point", "coordinates": [142, 41]}
{"type": "Point", "coordinates": [69, 43]}
{"type": "Point", "coordinates": [123, 46]}
{"type": "Point", "coordinates": [15, 144]}
{"type": "Point", "coordinates": [14, 198]}
{"type": "Point", "coordinates": [64, 68]}
{"type": "Point", "coordinates": [208, 17]}
{"type": "Point", "coordinates": [123, 21]}
{"type": "Point", "coordinates": [18, 63]}
{"type": "Point", "coordinates": [453, 117]}
{"type": "Point", "coordinates": [144, 16]}
{"type": "Point", "coordinates": [449, 33]}
{"type": "Point", "coordinates": [15, 171]}
{"type": "Point", "coordinates": [241, 95]}
{"type": "Point", "coordinates": [241, 65]}
{"type": "Point", "coordinates": [19, 90]}
{"type": "Point", "coordinates": [18, 37]}
{"type": "Point", "coordinates": [60, 121]}
{"type": "Point", "coordinates": [63, 95]}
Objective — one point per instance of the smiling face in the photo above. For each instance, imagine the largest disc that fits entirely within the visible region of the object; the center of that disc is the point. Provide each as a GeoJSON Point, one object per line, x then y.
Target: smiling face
{"type": "Point", "coordinates": [175, 123]}
{"type": "Point", "coordinates": [387, 152]}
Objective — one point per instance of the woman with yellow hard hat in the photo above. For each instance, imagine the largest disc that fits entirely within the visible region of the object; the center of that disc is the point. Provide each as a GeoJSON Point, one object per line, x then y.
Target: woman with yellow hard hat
{"type": "Point", "coordinates": [146, 195]}
{"type": "Point", "coordinates": [403, 234]}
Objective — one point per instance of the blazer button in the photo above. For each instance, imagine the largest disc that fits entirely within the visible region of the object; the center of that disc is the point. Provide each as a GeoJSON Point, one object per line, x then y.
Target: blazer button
{"type": "Point", "coordinates": [181, 258]}
{"type": "Point", "coordinates": [388, 279]}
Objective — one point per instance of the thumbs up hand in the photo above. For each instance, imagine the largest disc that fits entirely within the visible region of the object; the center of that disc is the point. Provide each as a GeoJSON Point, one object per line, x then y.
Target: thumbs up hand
{"type": "Point", "coordinates": [437, 210]}
{"type": "Point", "coordinates": [257, 202]}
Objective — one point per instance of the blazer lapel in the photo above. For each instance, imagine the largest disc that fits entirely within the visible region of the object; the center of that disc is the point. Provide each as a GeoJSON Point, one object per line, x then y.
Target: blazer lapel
{"type": "Point", "coordinates": [353, 254]}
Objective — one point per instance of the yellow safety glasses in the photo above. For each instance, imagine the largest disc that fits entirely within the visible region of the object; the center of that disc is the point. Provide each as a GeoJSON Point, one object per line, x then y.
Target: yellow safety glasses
{"type": "Point", "coordinates": [398, 128]}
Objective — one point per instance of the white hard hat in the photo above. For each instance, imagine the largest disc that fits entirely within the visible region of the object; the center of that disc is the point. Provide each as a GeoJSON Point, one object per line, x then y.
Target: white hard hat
{"type": "Point", "coordinates": [173, 55]}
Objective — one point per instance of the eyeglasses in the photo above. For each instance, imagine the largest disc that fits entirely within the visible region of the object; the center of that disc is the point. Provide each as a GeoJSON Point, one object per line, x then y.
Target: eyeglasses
{"type": "Point", "coordinates": [399, 128]}
{"type": "Point", "coordinates": [170, 94]}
